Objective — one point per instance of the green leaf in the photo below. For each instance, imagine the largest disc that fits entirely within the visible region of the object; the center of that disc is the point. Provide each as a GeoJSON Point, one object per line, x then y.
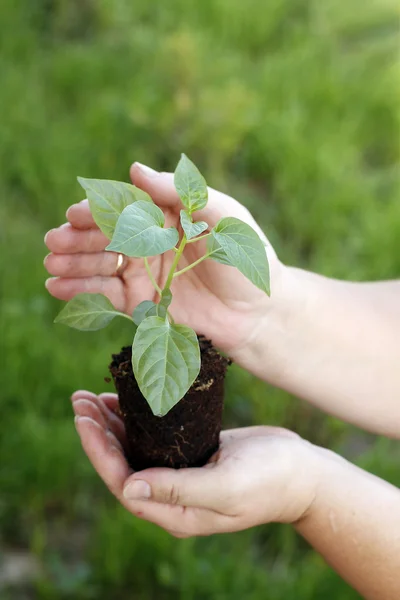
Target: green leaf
{"type": "Point", "coordinates": [107, 200]}
{"type": "Point", "coordinates": [244, 249]}
{"type": "Point", "coordinates": [143, 310]}
{"type": "Point", "coordinates": [190, 185]}
{"type": "Point", "coordinates": [216, 252]}
{"type": "Point", "coordinates": [148, 308]}
{"type": "Point", "coordinates": [139, 231]}
{"type": "Point", "coordinates": [88, 312]}
{"type": "Point", "coordinates": [191, 229]}
{"type": "Point", "coordinates": [166, 361]}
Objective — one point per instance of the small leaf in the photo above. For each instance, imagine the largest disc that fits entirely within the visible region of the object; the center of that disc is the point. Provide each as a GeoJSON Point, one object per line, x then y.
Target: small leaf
{"type": "Point", "coordinates": [191, 229]}
{"type": "Point", "coordinates": [88, 312]}
{"type": "Point", "coordinates": [148, 308]}
{"type": "Point", "coordinates": [107, 200]}
{"type": "Point", "coordinates": [139, 231]}
{"type": "Point", "coordinates": [143, 310]}
{"type": "Point", "coordinates": [216, 252]}
{"type": "Point", "coordinates": [244, 250]}
{"type": "Point", "coordinates": [190, 185]}
{"type": "Point", "coordinates": [166, 361]}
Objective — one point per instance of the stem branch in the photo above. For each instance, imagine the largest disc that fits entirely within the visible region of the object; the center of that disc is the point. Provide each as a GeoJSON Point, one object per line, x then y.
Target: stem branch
{"type": "Point", "coordinates": [175, 263]}
{"type": "Point", "coordinates": [197, 239]}
{"type": "Point", "coordinates": [194, 264]}
{"type": "Point", "coordinates": [151, 277]}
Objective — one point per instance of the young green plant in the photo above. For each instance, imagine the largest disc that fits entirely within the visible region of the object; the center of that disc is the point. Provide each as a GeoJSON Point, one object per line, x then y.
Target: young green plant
{"type": "Point", "coordinates": [165, 355]}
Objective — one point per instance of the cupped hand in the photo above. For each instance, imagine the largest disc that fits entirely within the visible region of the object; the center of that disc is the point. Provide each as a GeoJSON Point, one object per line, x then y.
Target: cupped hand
{"type": "Point", "coordinates": [215, 300]}
{"type": "Point", "coordinates": [259, 475]}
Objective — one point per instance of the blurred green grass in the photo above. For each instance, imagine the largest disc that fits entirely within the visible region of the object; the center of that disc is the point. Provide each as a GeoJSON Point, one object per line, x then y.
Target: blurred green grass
{"type": "Point", "coordinates": [291, 106]}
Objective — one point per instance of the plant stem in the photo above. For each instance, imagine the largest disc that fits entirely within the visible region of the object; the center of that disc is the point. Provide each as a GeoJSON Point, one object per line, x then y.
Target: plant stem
{"type": "Point", "coordinates": [197, 239]}
{"type": "Point", "coordinates": [196, 262]}
{"type": "Point", "coordinates": [175, 263]}
{"type": "Point", "coordinates": [150, 274]}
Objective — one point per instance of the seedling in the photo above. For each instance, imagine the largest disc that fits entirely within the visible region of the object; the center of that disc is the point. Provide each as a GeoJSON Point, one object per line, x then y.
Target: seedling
{"type": "Point", "coordinates": [165, 355]}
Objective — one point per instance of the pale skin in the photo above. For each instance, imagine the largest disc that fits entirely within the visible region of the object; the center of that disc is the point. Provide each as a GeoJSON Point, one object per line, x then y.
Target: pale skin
{"type": "Point", "coordinates": [332, 343]}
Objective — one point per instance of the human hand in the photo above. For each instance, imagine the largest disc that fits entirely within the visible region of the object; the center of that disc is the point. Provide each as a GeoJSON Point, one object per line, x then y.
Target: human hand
{"type": "Point", "coordinates": [259, 475]}
{"type": "Point", "coordinates": [215, 300]}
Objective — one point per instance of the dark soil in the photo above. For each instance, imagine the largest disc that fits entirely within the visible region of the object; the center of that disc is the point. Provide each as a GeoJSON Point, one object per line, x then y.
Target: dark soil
{"type": "Point", "coordinates": [188, 435]}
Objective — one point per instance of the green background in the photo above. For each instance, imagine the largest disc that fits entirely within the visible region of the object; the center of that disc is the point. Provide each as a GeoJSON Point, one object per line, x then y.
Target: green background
{"type": "Point", "coordinates": [291, 106]}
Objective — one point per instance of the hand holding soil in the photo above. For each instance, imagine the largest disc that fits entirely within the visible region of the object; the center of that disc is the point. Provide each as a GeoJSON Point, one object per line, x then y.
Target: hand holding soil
{"type": "Point", "coordinates": [259, 475]}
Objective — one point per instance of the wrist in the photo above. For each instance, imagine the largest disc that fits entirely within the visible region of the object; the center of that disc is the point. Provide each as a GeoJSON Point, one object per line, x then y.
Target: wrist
{"type": "Point", "coordinates": [272, 327]}
{"type": "Point", "coordinates": [329, 470]}
{"type": "Point", "coordinates": [303, 482]}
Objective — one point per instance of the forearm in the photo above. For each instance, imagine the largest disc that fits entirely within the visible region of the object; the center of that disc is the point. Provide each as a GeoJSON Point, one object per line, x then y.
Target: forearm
{"type": "Point", "coordinates": [337, 345]}
{"type": "Point", "coordinates": [354, 524]}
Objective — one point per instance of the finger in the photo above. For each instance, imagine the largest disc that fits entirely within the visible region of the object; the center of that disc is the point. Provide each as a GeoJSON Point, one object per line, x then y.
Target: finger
{"type": "Point", "coordinates": [87, 408]}
{"type": "Point", "coordinates": [257, 431]}
{"type": "Point", "coordinates": [107, 460]}
{"type": "Point", "coordinates": [66, 289]}
{"type": "Point", "coordinates": [68, 240]}
{"type": "Point", "coordinates": [111, 401]}
{"type": "Point", "coordinates": [160, 186]}
{"type": "Point", "coordinates": [181, 521]}
{"type": "Point", "coordinates": [186, 487]}
{"type": "Point", "coordinates": [80, 216]}
{"type": "Point", "coordinates": [82, 394]}
{"type": "Point", "coordinates": [82, 265]}
{"type": "Point", "coordinates": [115, 423]}
{"type": "Point", "coordinates": [107, 404]}
{"type": "Point", "coordinates": [106, 401]}
{"type": "Point", "coordinates": [92, 408]}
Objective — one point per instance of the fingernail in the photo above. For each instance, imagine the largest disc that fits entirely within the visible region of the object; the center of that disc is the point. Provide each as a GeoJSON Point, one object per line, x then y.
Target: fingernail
{"type": "Point", "coordinates": [45, 258]}
{"type": "Point", "coordinates": [137, 490]}
{"type": "Point", "coordinates": [146, 170]}
{"type": "Point", "coordinates": [84, 418]}
{"type": "Point", "coordinates": [46, 283]}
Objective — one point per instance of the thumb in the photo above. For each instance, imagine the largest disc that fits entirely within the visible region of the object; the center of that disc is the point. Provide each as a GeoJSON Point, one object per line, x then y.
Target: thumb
{"type": "Point", "coordinates": [160, 186]}
{"type": "Point", "coordinates": [200, 488]}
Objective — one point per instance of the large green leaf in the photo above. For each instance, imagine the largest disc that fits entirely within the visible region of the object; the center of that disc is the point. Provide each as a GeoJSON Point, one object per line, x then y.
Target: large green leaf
{"type": "Point", "coordinates": [107, 200]}
{"type": "Point", "coordinates": [139, 231]}
{"type": "Point", "coordinates": [190, 185]}
{"type": "Point", "coordinates": [166, 361]}
{"type": "Point", "coordinates": [244, 249]}
{"type": "Point", "coordinates": [191, 229]}
{"type": "Point", "coordinates": [88, 312]}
